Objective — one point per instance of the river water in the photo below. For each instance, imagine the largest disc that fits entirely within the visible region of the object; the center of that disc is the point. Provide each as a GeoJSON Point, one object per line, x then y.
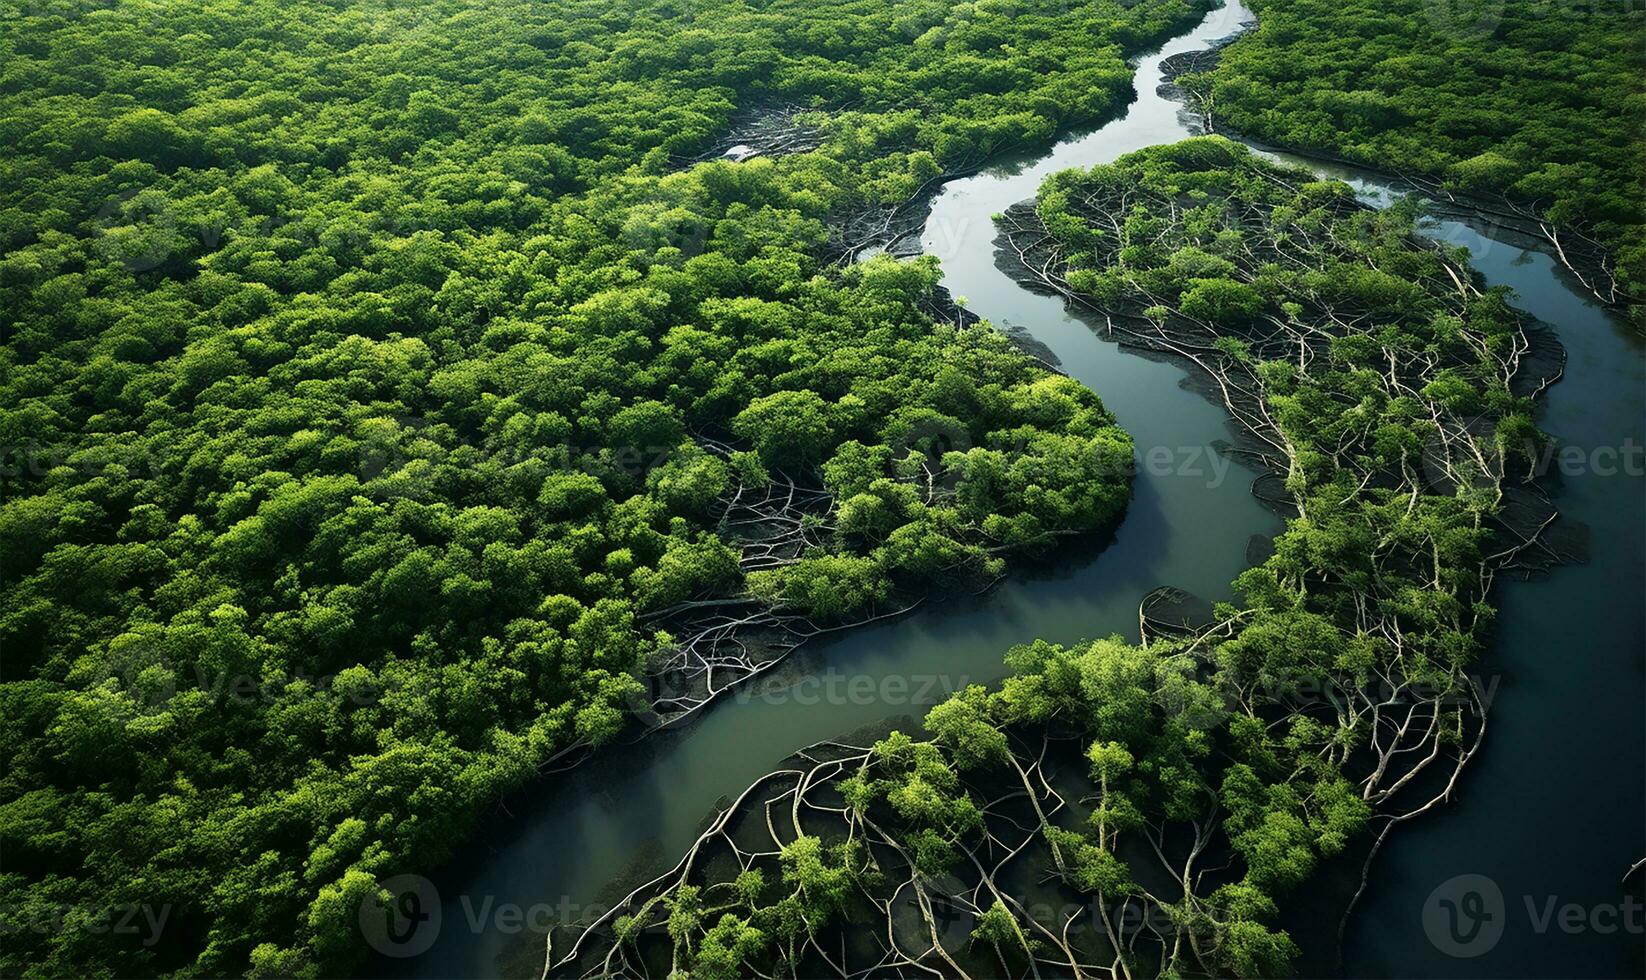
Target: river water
{"type": "Point", "coordinates": [1553, 811]}
{"type": "Point", "coordinates": [1570, 655]}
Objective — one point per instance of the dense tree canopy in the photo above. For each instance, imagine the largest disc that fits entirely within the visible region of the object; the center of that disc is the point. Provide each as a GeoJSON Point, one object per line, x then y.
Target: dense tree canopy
{"type": "Point", "coordinates": [1175, 791]}
{"type": "Point", "coordinates": [1542, 101]}
{"type": "Point", "coordinates": [385, 386]}
{"type": "Point", "coordinates": [375, 380]}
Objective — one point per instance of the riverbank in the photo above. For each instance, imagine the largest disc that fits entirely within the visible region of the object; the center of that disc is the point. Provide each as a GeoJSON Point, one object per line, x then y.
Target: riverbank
{"type": "Point", "coordinates": [1537, 761]}
{"type": "Point", "coordinates": [1190, 524]}
{"type": "Point", "coordinates": [1583, 257]}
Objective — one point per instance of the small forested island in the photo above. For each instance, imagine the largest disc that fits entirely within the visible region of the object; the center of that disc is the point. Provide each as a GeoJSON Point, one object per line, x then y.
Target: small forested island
{"type": "Point", "coordinates": [402, 405]}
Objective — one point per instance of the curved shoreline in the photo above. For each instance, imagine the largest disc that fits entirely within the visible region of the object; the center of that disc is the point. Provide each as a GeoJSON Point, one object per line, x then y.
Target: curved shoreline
{"type": "Point", "coordinates": [1028, 253]}
{"type": "Point", "coordinates": [634, 812]}
{"type": "Point", "coordinates": [899, 226]}
{"type": "Point", "coordinates": [720, 733]}
{"type": "Point", "coordinates": [1488, 224]}
{"type": "Point", "coordinates": [643, 901]}
{"type": "Point", "coordinates": [1587, 260]}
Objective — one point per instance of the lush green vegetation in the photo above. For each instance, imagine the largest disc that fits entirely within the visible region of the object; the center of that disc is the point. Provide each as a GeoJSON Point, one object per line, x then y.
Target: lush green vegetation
{"type": "Point", "coordinates": [376, 379]}
{"type": "Point", "coordinates": [1539, 100]}
{"type": "Point", "coordinates": [383, 388]}
{"type": "Point", "coordinates": [1190, 782]}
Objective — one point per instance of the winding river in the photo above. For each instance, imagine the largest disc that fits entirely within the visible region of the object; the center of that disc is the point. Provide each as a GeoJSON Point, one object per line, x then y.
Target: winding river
{"type": "Point", "coordinates": [1552, 809]}
{"type": "Point", "coordinates": [1545, 810]}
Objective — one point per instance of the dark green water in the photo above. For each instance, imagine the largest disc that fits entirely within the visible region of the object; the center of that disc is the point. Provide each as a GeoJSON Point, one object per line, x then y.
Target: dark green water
{"type": "Point", "coordinates": [1571, 654]}
{"type": "Point", "coordinates": [1553, 812]}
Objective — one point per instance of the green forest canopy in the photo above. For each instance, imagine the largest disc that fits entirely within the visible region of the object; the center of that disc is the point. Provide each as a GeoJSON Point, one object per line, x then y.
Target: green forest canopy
{"type": "Point", "coordinates": [353, 357]}
{"type": "Point", "coordinates": [1539, 100]}
{"type": "Point", "coordinates": [358, 350]}
{"type": "Point", "coordinates": [1215, 771]}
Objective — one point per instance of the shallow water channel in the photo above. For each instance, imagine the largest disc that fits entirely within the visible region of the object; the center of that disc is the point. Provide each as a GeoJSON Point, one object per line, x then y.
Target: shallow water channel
{"type": "Point", "coordinates": [1533, 814]}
